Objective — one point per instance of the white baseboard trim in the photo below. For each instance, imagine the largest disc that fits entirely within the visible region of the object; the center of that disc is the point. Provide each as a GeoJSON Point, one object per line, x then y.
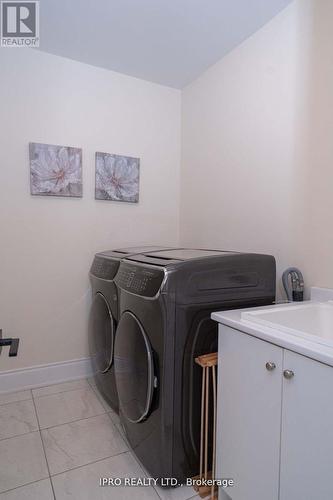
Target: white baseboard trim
{"type": "Point", "coordinates": [42, 375]}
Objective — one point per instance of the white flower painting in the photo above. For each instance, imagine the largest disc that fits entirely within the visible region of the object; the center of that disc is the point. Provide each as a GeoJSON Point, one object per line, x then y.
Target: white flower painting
{"type": "Point", "coordinates": [117, 178]}
{"type": "Point", "coordinates": [55, 170]}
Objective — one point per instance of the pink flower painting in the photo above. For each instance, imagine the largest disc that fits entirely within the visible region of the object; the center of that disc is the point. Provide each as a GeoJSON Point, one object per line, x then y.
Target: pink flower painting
{"type": "Point", "coordinates": [55, 170]}
{"type": "Point", "coordinates": [117, 178]}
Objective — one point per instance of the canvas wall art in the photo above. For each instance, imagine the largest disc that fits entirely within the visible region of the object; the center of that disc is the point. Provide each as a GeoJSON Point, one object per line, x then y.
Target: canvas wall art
{"type": "Point", "coordinates": [55, 170]}
{"type": "Point", "coordinates": [117, 178]}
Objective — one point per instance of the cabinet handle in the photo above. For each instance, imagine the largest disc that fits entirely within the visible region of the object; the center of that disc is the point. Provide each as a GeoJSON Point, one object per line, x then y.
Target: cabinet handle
{"type": "Point", "coordinates": [288, 374]}
{"type": "Point", "coordinates": [270, 366]}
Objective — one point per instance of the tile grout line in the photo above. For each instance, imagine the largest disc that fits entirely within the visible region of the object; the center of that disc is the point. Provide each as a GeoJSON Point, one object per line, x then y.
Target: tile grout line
{"type": "Point", "coordinates": [61, 392]}
{"type": "Point", "coordinates": [24, 485]}
{"type": "Point", "coordinates": [19, 435]}
{"type": "Point", "coordinates": [89, 463]}
{"type": "Point", "coordinates": [23, 433]}
{"type": "Point", "coordinates": [13, 402]}
{"type": "Point", "coordinates": [41, 438]}
{"type": "Point", "coordinates": [44, 387]}
{"type": "Point", "coordinates": [72, 421]}
{"type": "Point", "coordinates": [52, 486]}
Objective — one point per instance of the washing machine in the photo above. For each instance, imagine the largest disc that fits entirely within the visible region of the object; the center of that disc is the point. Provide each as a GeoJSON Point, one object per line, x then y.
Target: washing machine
{"type": "Point", "coordinates": [166, 299]}
{"type": "Point", "coordinates": [104, 317]}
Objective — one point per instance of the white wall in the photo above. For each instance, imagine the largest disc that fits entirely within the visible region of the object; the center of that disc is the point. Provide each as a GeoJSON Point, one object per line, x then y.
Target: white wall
{"type": "Point", "coordinates": [47, 244]}
{"type": "Point", "coordinates": [257, 157]}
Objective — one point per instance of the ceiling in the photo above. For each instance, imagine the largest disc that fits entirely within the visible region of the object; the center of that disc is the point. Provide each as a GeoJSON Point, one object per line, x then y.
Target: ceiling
{"type": "Point", "coordinates": [165, 41]}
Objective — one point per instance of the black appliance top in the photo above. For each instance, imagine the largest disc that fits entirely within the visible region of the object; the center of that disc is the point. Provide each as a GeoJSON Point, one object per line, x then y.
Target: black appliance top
{"type": "Point", "coordinates": [174, 256]}
{"type": "Point", "coordinates": [187, 253]}
{"type": "Point", "coordinates": [106, 263]}
{"type": "Point", "coordinates": [196, 274]}
{"type": "Point", "coordinates": [120, 253]}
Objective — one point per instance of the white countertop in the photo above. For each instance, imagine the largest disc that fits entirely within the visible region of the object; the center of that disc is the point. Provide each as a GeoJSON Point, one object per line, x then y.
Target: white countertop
{"type": "Point", "coordinates": [307, 347]}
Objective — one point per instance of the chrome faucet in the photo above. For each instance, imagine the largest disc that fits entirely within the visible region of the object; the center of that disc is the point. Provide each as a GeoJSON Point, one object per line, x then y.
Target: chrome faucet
{"type": "Point", "coordinates": [293, 283]}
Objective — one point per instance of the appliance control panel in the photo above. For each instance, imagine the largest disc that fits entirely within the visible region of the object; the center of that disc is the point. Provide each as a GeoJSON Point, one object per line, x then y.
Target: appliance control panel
{"type": "Point", "coordinates": [140, 280]}
{"type": "Point", "coordinates": [103, 268]}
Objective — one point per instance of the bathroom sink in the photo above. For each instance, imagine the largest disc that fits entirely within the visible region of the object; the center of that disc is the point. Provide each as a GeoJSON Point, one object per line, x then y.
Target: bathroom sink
{"type": "Point", "coordinates": [311, 320]}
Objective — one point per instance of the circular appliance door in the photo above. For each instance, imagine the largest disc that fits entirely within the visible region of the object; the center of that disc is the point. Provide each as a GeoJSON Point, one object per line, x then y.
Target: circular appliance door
{"type": "Point", "coordinates": [101, 334]}
{"type": "Point", "coordinates": [134, 368]}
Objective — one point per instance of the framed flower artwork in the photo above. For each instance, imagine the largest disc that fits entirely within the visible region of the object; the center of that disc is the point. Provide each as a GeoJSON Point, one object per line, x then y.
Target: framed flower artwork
{"type": "Point", "coordinates": [117, 178]}
{"type": "Point", "coordinates": [55, 170]}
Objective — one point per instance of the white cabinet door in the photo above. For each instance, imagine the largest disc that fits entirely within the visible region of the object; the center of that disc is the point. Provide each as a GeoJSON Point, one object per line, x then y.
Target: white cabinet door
{"type": "Point", "coordinates": [307, 430]}
{"type": "Point", "coordinates": [249, 416]}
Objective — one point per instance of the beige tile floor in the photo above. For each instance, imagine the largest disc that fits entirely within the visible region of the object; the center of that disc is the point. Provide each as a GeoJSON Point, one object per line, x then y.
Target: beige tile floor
{"type": "Point", "coordinates": [57, 441]}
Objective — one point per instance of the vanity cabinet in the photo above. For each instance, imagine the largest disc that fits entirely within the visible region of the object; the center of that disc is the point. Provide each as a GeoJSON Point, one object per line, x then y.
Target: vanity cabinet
{"type": "Point", "coordinates": [275, 421]}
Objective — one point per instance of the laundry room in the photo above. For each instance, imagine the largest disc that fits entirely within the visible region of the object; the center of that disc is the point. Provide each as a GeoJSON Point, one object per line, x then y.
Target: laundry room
{"type": "Point", "coordinates": [166, 294]}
